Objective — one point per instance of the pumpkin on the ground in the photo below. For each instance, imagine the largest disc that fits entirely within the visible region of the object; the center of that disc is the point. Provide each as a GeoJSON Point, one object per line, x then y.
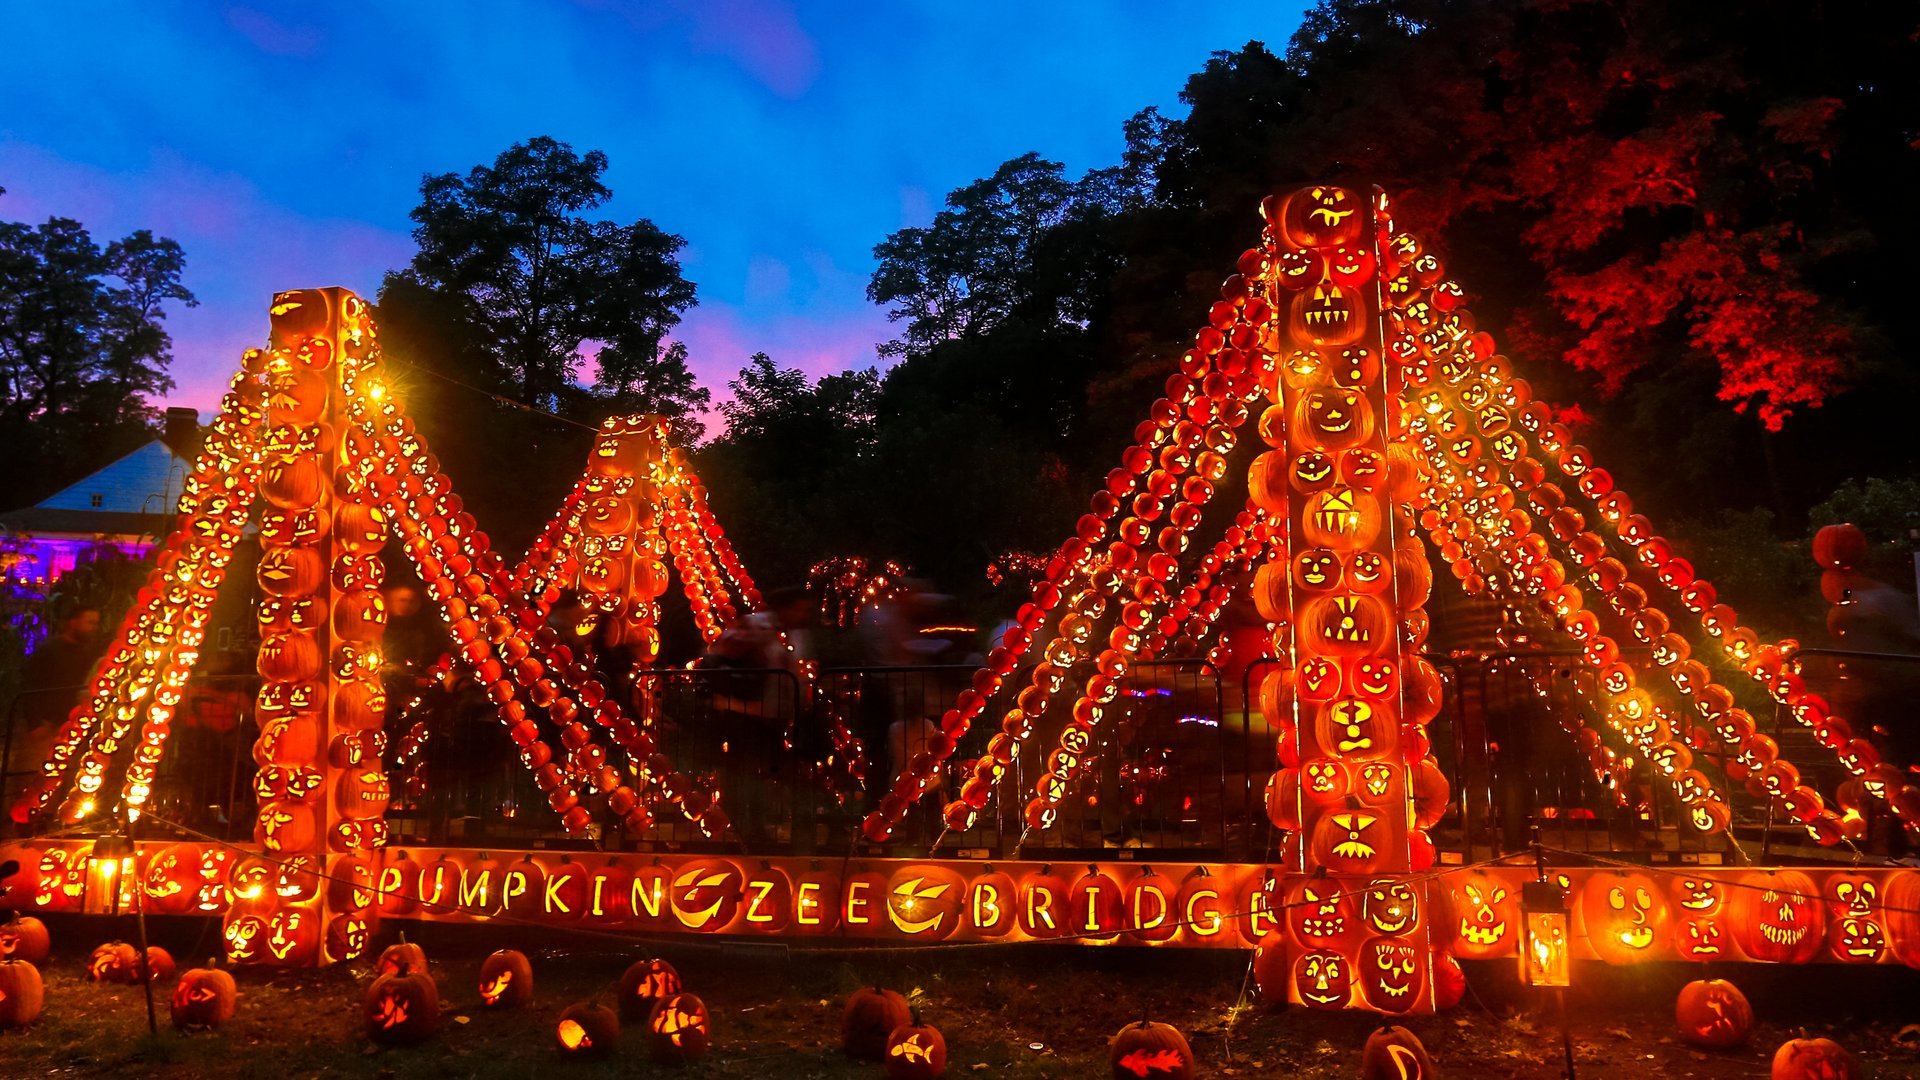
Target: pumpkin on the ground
{"type": "Point", "coordinates": [506, 980]}
{"type": "Point", "coordinates": [25, 938]}
{"type": "Point", "coordinates": [113, 962]}
{"type": "Point", "coordinates": [871, 1015]}
{"type": "Point", "coordinates": [204, 998]}
{"type": "Point", "coordinates": [588, 1029]}
{"type": "Point", "coordinates": [1813, 1059]}
{"type": "Point", "coordinates": [402, 954]}
{"type": "Point", "coordinates": [1713, 1013]}
{"type": "Point", "coordinates": [679, 1030]}
{"type": "Point", "coordinates": [21, 994]}
{"type": "Point", "coordinates": [160, 965]}
{"type": "Point", "coordinates": [1394, 1053]}
{"type": "Point", "coordinates": [642, 986]}
{"type": "Point", "coordinates": [916, 1051]}
{"type": "Point", "coordinates": [1151, 1051]}
{"type": "Point", "coordinates": [402, 1007]}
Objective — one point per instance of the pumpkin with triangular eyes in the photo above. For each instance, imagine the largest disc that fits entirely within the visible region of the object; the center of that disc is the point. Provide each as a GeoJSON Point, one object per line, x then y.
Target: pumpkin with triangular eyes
{"type": "Point", "coordinates": [1486, 910]}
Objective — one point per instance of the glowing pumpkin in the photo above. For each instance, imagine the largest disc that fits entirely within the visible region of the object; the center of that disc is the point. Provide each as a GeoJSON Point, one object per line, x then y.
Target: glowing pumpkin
{"type": "Point", "coordinates": [1150, 1051]}
{"type": "Point", "coordinates": [916, 1051]}
{"type": "Point", "coordinates": [203, 998]}
{"type": "Point", "coordinates": [1713, 1013]}
{"type": "Point", "coordinates": [402, 1008]}
{"type": "Point", "coordinates": [587, 1030]}
{"type": "Point", "coordinates": [679, 1030]}
{"type": "Point", "coordinates": [506, 980]}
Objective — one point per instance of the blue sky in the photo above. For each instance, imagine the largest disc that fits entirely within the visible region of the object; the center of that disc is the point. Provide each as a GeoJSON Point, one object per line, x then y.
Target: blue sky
{"type": "Point", "coordinates": [283, 144]}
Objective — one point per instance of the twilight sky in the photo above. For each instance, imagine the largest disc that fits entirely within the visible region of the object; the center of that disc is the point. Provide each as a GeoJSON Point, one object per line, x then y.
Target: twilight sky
{"type": "Point", "coordinates": [283, 144]}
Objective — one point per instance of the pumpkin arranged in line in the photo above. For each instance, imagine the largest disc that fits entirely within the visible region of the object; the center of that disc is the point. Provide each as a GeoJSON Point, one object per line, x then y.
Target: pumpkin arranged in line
{"type": "Point", "coordinates": [916, 1051]}
{"type": "Point", "coordinates": [587, 1030]}
{"type": "Point", "coordinates": [679, 1030]}
{"type": "Point", "coordinates": [21, 994]}
{"type": "Point", "coordinates": [506, 980]}
{"type": "Point", "coordinates": [204, 998]}
{"type": "Point", "coordinates": [1150, 1051]}
{"type": "Point", "coordinates": [25, 938]}
{"type": "Point", "coordinates": [160, 965]}
{"type": "Point", "coordinates": [1713, 1013]}
{"type": "Point", "coordinates": [1272, 972]}
{"type": "Point", "coordinates": [1813, 1059]}
{"type": "Point", "coordinates": [871, 1015]}
{"type": "Point", "coordinates": [402, 1007]}
{"type": "Point", "coordinates": [401, 954]}
{"type": "Point", "coordinates": [642, 986]}
{"type": "Point", "coordinates": [1394, 1053]}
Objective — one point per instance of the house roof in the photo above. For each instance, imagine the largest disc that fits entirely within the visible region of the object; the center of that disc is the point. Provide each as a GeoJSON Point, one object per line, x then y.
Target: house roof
{"type": "Point", "coordinates": [44, 520]}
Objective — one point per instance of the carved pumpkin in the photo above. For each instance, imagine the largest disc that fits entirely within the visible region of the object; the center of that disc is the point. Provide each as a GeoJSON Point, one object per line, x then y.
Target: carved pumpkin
{"type": "Point", "coordinates": [705, 894]}
{"type": "Point", "coordinates": [1449, 980]}
{"type": "Point", "coordinates": [679, 1030]}
{"type": "Point", "coordinates": [114, 962]}
{"type": "Point", "coordinates": [1813, 1059]}
{"type": "Point", "coordinates": [1391, 973]}
{"type": "Point", "coordinates": [506, 980]}
{"type": "Point", "coordinates": [21, 994]}
{"type": "Point", "coordinates": [289, 657]}
{"type": "Point", "coordinates": [1855, 933]}
{"type": "Point", "coordinates": [1043, 903]}
{"type": "Point", "coordinates": [1699, 939]}
{"type": "Point", "coordinates": [1202, 910]}
{"type": "Point", "coordinates": [870, 1016]}
{"type": "Point", "coordinates": [1486, 909]}
{"type": "Point", "coordinates": [1095, 905]}
{"type": "Point", "coordinates": [1320, 912]}
{"type": "Point", "coordinates": [291, 571]}
{"type": "Point", "coordinates": [402, 1008]}
{"type": "Point", "coordinates": [916, 1051]}
{"type": "Point", "coordinates": [1352, 840]}
{"type": "Point", "coordinates": [1901, 908]}
{"type": "Point", "coordinates": [644, 984]}
{"type": "Point", "coordinates": [1323, 979]}
{"type": "Point", "coordinates": [587, 1030]}
{"type": "Point", "coordinates": [25, 938]}
{"type": "Point", "coordinates": [926, 902]}
{"type": "Point", "coordinates": [171, 881]}
{"type": "Point", "coordinates": [1776, 916]}
{"type": "Point", "coordinates": [1150, 1051]}
{"type": "Point", "coordinates": [1342, 518]}
{"type": "Point", "coordinates": [402, 955]}
{"type": "Point", "coordinates": [1625, 916]}
{"type": "Point", "coordinates": [1713, 1013]}
{"type": "Point", "coordinates": [1355, 729]}
{"type": "Point", "coordinates": [203, 998]}
{"type": "Point", "coordinates": [1394, 1053]}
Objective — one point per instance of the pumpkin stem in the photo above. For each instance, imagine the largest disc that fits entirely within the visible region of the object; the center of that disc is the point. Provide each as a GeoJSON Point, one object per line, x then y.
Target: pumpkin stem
{"type": "Point", "coordinates": [914, 1011]}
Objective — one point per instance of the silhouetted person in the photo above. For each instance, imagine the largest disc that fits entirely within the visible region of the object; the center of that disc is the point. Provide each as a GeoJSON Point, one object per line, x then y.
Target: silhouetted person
{"type": "Point", "coordinates": [49, 682]}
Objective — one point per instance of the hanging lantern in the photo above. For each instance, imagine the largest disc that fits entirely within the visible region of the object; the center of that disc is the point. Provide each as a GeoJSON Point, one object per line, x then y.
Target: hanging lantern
{"type": "Point", "coordinates": [1545, 936]}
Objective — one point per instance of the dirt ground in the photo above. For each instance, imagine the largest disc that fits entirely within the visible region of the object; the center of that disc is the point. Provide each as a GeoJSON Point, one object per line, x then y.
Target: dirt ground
{"type": "Point", "coordinates": [1026, 1011]}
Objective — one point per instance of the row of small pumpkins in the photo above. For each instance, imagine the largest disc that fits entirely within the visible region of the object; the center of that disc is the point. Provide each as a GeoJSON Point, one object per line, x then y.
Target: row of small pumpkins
{"type": "Point", "coordinates": [402, 1007]}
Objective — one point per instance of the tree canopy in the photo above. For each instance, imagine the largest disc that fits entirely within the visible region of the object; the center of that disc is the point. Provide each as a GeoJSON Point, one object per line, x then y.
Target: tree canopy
{"type": "Point", "coordinates": [83, 348]}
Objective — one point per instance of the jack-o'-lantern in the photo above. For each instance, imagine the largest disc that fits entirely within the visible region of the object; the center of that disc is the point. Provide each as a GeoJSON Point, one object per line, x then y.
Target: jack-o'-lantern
{"type": "Point", "coordinates": [402, 1008]}
{"type": "Point", "coordinates": [1323, 979]}
{"type": "Point", "coordinates": [1377, 783]}
{"type": "Point", "coordinates": [203, 998]}
{"type": "Point", "coordinates": [1333, 418]}
{"type": "Point", "coordinates": [294, 483]}
{"type": "Point", "coordinates": [1095, 905]}
{"type": "Point", "coordinates": [25, 938]}
{"type": "Point", "coordinates": [1486, 909]}
{"type": "Point", "coordinates": [292, 740]}
{"type": "Point", "coordinates": [245, 937]}
{"type": "Point", "coordinates": [679, 1030]}
{"type": "Point", "coordinates": [401, 955]}
{"type": "Point", "coordinates": [587, 1029]}
{"type": "Point", "coordinates": [1202, 910]}
{"type": "Point", "coordinates": [1625, 916]}
{"type": "Point", "coordinates": [1394, 1053]}
{"type": "Point", "coordinates": [115, 962]}
{"type": "Point", "coordinates": [1149, 907]}
{"type": "Point", "coordinates": [1700, 939]}
{"type": "Point", "coordinates": [1368, 572]}
{"type": "Point", "coordinates": [285, 826]}
{"type": "Point", "coordinates": [1355, 729]}
{"type": "Point", "coordinates": [1043, 904]}
{"type": "Point", "coordinates": [1348, 625]}
{"type": "Point", "coordinates": [1713, 1014]}
{"type": "Point", "coordinates": [1390, 974]}
{"type": "Point", "coordinates": [360, 616]}
{"type": "Point", "coordinates": [293, 526]}
{"type": "Point", "coordinates": [916, 1051]}
{"type": "Point", "coordinates": [1390, 906]}
{"type": "Point", "coordinates": [1342, 517]}
{"type": "Point", "coordinates": [644, 984]}
{"type": "Point", "coordinates": [362, 791]}
{"type": "Point", "coordinates": [360, 528]}
{"type": "Point", "coordinates": [290, 571]}
{"type": "Point", "coordinates": [171, 881]}
{"type": "Point", "coordinates": [1319, 216]}
{"type": "Point", "coordinates": [1313, 470]}
{"type": "Point", "coordinates": [280, 701]}
{"type": "Point", "coordinates": [348, 935]}
{"type": "Point", "coordinates": [925, 901]}
{"type": "Point", "coordinates": [1316, 570]}
{"type": "Point", "coordinates": [292, 656]}
{"type": "Point", "coordinates": [1352, 840]}
{"type": "Point", "coordinates": [1775, 916]}
{"type": "Point", "coordinates": [1320, 912]}
{"type": "Point", "coordinates": [1318, 680]}
{"type": "Point", "coordinates": [1813, 1059]}
{"type": "Point", "coordinates": [1855, 933]}
{"type": "Point", "coordinates": [505, 981]}
{"type": "Point", "coordinates": [22, 994]}
{"type": "Point", "coordinates": [293, 936]}
{"type": "Point", "coordinates": [1146, 1050]}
